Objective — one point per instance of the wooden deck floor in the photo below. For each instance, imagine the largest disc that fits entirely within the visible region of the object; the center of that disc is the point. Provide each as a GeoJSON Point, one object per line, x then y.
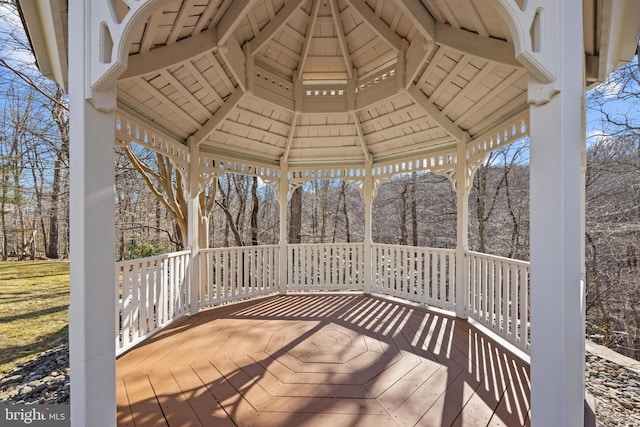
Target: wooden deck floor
{"type": "Point", "coordinates": [321, 360]}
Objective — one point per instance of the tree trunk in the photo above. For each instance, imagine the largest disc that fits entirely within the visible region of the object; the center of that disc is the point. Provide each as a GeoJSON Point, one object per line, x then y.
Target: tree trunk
{"type": "Point", "coordinates": [295, 216]}
{"type": "Point", "coordinates": [344, 211]}
{"type": "Point", "coordinates": [403, 216]}
{"type": "Point", "coordinates": [61, 117]}
{"type": "Point", "coordinates": [414, 210]}
{"type": "Point", "coordinates": [481, 191]}
{"type": "Point", "coordinates": [254, 211]}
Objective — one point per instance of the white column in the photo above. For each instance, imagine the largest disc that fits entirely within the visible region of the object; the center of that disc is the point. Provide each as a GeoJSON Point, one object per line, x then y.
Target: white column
{"type": "Point", "coordinates": [367, 193]}
{"type": "Point", "coordinates": [557, 239]}
{"type": "Point", "coordinates": [92, 312]}
{"type": "Point", "coordinates": [462, 230]}
{"type": "Point", "coordinates": [283, 199]}
{"type": "Point", "coordinates": [193, 225]}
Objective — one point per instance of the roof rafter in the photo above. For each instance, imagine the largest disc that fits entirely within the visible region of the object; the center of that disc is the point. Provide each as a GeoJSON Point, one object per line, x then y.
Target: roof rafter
{"type": "Point", "coordinates": [203, 82]}
{"type": "Point", "coordinates": [150, 30]}
{"type": "Point", "coordinates": [201, 134]}
{"type": "Point", "coordinates": [208, 13]}
{"type": "Point", "coordinates": [342, 39]}
{"type": "Point", "coordinates": [171, 55]}
{"type": "Point", "coordinates": [363, 141]}
{"type": "Point", "coordinates": [421, 99]}
{"type": "Point", "coordinates": [419, 16]}
{"type": "Point", "coordinates": [274, 25]}
{"type": "Point", "coordinates": [156, 93]}
{"type": "Point", "coordinates": [470, 87]}
{"type": "Point", "coordinates": [232, 18]}
{"type": "Point", "coordinates": [236, 59]}
{"type": "Point", "coordinates": [183, 15]}
{"type": "Point", "coordinates": [307, 42]}
{"type": "Point", "coordinates": [415, 57]}
{"type": "Point", "coordinates": [221, 73]}
{"type": "Point", "coordinates": [506, 83]}
{"type": "Point", "coordinates": [177, 85]}
{"type": "Point", "coordinates": [377, 24]}
{"type": "Point", "coordinates": [292, 131]}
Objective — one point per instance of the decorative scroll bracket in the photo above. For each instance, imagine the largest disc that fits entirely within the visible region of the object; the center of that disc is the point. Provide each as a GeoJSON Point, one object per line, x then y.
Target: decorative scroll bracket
{"type": "Point", "coordinates": [111, 24]}
{"type": "Point", "coordinates": [534, 27]}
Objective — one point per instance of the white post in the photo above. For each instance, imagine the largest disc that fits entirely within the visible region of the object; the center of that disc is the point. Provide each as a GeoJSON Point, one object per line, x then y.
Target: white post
{"type": "Point", "coordinates": [92, 312]}
{"type": "Point", "coordinates": [193, 225]}
{"type": "Point", "coordinates": [462, 230]}
{"type": "Point", "coordinates": [283, 199]}
{"type": "Point", "coordinates": [367, 192]}
{"type": "Point", "coordinates": [557, 239]}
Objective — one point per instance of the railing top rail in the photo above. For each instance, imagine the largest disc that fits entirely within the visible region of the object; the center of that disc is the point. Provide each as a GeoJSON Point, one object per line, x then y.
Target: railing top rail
{"type": "Point", "coordinates": [352, 244]}
{"type": "Point", "coordinates": [499, 258]}
{"type": "Point", "coordinates": [239, 248]}
{"type": "Point", "coordinates": [418, 248]}
{"type": "Point", "coordinates": [153, 258]}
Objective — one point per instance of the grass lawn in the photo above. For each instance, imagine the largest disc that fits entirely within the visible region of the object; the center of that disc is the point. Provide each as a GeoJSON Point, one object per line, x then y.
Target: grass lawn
{"type": "Point", "coordinates": [34, 302]}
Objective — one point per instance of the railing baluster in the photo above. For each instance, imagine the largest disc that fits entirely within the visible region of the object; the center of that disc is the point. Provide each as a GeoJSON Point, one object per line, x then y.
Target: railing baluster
{"type": "Point", "coordinates": [514, 303]}
{"type": "Point", "coordinates": [500, 292]}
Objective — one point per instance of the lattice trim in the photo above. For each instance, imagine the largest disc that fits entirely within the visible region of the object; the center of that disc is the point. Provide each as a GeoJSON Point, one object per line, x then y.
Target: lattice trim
{"type": "Point", "coordinates": [499, 136]}
{"type": "Point", "coordinates": [128, 130]}
{"type": "Point", "coordinates": [212, 165]}
{"type": "Point", "coordinates": [440, 163]}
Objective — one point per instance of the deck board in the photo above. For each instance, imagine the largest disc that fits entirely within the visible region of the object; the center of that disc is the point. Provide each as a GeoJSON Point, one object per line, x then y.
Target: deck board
{"type": "Point", "coordinates": [321, 360]}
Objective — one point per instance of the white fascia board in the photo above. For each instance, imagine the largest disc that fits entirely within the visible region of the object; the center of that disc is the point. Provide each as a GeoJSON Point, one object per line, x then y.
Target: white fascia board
{"type": "Point", "coordinates": [44, 24]}
{"type": "Point", "coordinates": [619, 36]}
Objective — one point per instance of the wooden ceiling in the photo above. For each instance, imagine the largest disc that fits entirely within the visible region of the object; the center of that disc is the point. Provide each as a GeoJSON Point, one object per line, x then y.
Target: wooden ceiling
{"type": "Point", "coordinates": [323, 80]}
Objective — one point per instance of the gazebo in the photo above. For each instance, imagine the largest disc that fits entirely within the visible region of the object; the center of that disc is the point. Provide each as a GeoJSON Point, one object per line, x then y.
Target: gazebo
{"type": "Point", "coordinates": [358, 90]}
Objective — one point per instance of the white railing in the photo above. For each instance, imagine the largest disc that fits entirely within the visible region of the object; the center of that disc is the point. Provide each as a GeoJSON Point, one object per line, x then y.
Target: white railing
{"type": "Point", "coordinates": [499, 296]}
{"type": "Point", "coordinates": [151, 293]}
{"type": "Point", "coordinates": [422, 275]}
{"type": "Point", "coordinates": [232, 274]}
{"type": "Point", "coordinates": [325, 267]}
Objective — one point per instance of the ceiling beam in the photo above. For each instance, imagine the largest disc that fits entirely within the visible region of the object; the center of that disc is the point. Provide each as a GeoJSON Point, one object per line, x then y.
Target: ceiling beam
{"type": "Point", "coordinates": [342, 39]}
{"type": "Point", "coordinates": [415, 58]}
{"type": "Point", "coordinates": [419, 16]}
{"type": "Point", "coordinates": [377, 24]}
{"type": "Point", "coordinates": [170, 55]}
{"type": "Point", "coordinates": [235, 58]}
{"type": "Point", "coordinates": [274, 25]}
{"type": "Point", "coordinates": [469, 43]}
{"type": "Point", "coordinates": [421, 99]}
{"type": "Point", "coordinates": [363, 142]}
{"type": "Point", "coordinates": [203, 133]}
{"type": "Point", "coordinates": [292, 131]}
{"type": "Point", "coordinates": [307, 42]}
{"type": "Point", "coordinates": [232, 18]}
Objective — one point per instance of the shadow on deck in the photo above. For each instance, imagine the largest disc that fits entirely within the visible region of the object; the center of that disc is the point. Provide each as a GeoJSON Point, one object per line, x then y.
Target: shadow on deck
{"type": "Point", "coordinates": [322, 359]}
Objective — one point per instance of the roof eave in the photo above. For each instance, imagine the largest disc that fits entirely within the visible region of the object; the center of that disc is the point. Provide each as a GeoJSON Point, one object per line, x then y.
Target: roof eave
{"type": "Point", "coordinates": [45, 23]}
{"type": "Point", "coordinates": [620, 30]}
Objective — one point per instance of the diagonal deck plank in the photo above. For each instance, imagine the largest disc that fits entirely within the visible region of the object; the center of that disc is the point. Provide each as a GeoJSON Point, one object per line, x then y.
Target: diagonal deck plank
{"type": "Point", "coordinates": [321, 360]}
